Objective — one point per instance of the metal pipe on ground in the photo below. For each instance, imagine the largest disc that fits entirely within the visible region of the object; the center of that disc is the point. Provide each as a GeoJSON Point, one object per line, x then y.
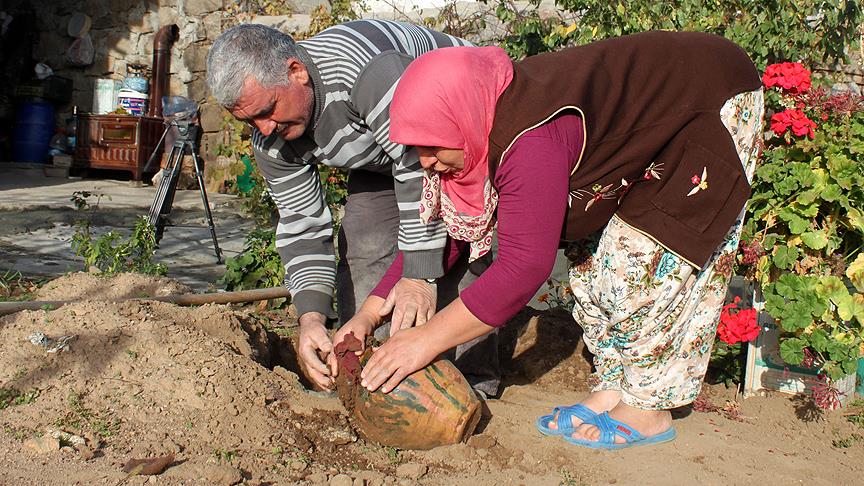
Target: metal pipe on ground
{"type": "Point", "coordinates": [179, 299]}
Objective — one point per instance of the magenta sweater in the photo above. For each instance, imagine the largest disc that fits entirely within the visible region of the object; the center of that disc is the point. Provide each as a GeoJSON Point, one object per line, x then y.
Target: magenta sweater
{"type": "Point", "coordinates": [532, 184]}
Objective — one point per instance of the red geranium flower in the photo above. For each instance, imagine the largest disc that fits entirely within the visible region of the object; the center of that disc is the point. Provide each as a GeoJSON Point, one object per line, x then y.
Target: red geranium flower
{"type": "Point", "coordinates": [791, 77]}
{"type": "Point", "coordinates": [740, 327]}
{"type": "Point", "coordinates": [794, 119]}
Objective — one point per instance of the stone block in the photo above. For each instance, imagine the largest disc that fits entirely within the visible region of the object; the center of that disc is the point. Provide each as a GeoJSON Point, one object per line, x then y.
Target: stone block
{"type": "Point", "coordinates": [197, 89]}
{"type": "Point", "coordinates": [289, 24]}
{"type": "Point", "coordinates": [168, 15]}
{"type": "Point", "coordinates": [144, 25]}
{"type": "Point", "coordinates": [211, 117]}
{"type": "Point", "coordinates": [195, 57]}
{"type": "Point", "coordinates": [210, 27]}
{"type": "Point", "coordinates": [307, 6]}
{"type": "Point", "coordinates": [176, 87]}
{"type": "Point", "coordinates": [121, 44]}
{"type": "Point", "coordinates": [198, 8]}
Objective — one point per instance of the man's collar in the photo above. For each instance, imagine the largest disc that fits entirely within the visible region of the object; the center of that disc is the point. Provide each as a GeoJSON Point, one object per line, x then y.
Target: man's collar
{"type": "Point", "coordinates": [317, 87]}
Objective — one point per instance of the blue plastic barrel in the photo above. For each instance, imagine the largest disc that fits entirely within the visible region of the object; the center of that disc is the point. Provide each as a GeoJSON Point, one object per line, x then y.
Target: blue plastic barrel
{"type": "Point", "coordinates": [34, 127]}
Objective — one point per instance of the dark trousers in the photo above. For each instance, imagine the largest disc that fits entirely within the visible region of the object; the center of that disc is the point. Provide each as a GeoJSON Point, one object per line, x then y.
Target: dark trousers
{"type": "Point", "coordinates": [367, 243]}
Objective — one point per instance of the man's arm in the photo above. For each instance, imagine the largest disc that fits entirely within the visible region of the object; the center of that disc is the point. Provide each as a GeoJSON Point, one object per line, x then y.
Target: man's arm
{"type": "Point", "coordinates": [304, 241]}
{"type": "Point", "coordinates": [422, 245]}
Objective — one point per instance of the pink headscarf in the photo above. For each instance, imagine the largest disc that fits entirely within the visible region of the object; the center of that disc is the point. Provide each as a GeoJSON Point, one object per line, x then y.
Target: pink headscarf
{"type": "Point", "coordinates": [446, 98]}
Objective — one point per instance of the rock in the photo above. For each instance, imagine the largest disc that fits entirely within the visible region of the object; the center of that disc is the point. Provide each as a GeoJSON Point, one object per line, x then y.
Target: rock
{"type": "Point", "coordinates": [339, 436]}
{"type": "Point", "coordinates": [85, 452]}
{"type": "Point", "coordinates": [317, 478]}
{"type": "Point", "coordinates": [43, 445]}
{"type": "Point", "coordinates": [359, 482]}
{"type": "Point", "coordinates": [223, 475]}
{"type": "Point", "coordinates": [371, 478]}
{"type": "Point", "coordinates": [198, 8]}
{"type": "Point", "coordinates": [482, 441]}
{"type": "Point", "coordinates": [341, 480]}
{"type": "Point", "coordinates": [411, 470]}
{"type": "Point", "coordinates": [299, 465]}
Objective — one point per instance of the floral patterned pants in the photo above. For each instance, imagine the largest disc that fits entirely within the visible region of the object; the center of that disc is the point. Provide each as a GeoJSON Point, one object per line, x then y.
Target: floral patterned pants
{"type": "Point", "coordinates": [650, 317]}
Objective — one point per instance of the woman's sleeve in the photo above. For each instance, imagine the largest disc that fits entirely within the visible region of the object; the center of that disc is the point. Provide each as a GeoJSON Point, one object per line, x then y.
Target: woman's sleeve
{"type": "Point", "coordinates": [532, 182]}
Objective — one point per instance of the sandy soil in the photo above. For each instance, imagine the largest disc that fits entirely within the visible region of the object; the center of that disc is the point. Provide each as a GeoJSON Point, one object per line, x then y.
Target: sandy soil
{"type": "Point", "coordinates": [218, 387]}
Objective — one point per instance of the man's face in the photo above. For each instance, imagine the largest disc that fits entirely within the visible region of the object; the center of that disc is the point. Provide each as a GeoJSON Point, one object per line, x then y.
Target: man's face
{"type": "Point", "coordinates": [286, 110]}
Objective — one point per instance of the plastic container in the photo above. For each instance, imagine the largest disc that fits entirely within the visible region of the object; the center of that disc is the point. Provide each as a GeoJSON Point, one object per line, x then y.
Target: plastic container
{"type": "Point", "coordinates": [136, 83]}
{"type": "Point", "coordinates": [34, 127]}
{"type": "Point", "coordinates": [105, 96]}
{"type": "Point", "coordinates": [133, 102]}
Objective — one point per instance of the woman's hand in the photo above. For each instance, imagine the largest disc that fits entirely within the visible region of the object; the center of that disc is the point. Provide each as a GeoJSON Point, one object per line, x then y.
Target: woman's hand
{"type": "Point", "coordinates": [404, 353]}
{"type": "Point", "coordinates": [361, 325]}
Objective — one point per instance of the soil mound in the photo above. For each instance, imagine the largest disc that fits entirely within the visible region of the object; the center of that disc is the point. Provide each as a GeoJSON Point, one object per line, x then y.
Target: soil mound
{"type": "Point", "coordinates": [82, 285]}
{"type": "Point", "coordinates": [88, 387]}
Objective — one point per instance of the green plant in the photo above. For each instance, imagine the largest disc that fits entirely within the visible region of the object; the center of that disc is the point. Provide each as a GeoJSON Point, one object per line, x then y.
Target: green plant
{"type": "Point", "coordinates": [258, 265]}
{"type": "Point", "coordinates": [809, 30]}
{"type": "Point", "coordinates": [805, 228]}
{"type": "Point", "coordinates": [110, 253]}
{"type": "Point", "coordinates": [394, 455]}
{"type": "Point", "coordinates": [847, 442]}
{"type": "Point", "coordinates": [15, 287]}
{"type": "Point", "coordinates": [224, 455]}
{"type": "Point", "coordinates": [10, 397]}
{"type": "Point", "coordinates": [79, 417]}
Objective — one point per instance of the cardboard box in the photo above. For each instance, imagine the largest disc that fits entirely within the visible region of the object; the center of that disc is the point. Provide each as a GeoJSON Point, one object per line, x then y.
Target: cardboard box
{"type": "Point", "coordinates": [64, 160]}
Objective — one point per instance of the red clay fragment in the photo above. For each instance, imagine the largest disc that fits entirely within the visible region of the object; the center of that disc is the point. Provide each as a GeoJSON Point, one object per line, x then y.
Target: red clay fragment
{"type": "Point", "coordinates": [149, 466]}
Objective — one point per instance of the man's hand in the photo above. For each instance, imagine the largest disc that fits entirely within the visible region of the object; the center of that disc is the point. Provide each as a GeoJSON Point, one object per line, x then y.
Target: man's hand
{"type": "Point", "coordinates": [411, 300]}
{"type": "Point", "coordinates": [315, 349]}
{"type": "Point", "coordinates": [401, 355]}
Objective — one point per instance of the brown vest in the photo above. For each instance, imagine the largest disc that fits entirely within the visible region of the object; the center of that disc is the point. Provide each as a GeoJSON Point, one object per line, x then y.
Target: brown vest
{"type": "Point", "coordinates": [650, 104]}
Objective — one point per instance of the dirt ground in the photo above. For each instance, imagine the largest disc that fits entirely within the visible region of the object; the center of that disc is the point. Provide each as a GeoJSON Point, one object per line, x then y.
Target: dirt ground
{"type": "Point", "coordinates": [219, 388]}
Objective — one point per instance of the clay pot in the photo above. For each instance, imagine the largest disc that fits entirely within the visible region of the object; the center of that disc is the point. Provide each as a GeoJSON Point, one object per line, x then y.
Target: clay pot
{"type": "Point", "coordinates": [432, 407]}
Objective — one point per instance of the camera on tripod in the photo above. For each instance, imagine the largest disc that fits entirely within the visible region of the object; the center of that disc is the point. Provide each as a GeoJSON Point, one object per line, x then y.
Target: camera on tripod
{"type": "Point", "coordinates": [180, 113]}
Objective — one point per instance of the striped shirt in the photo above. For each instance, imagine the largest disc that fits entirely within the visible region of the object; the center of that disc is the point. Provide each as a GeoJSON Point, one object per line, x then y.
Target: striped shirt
{"type": "Point", "coordinates": [354, 68]}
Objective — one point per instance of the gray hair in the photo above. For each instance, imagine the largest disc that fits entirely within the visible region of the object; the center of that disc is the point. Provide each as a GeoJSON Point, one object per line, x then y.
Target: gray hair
{"type": "Point", "coordinates": [243, 51]}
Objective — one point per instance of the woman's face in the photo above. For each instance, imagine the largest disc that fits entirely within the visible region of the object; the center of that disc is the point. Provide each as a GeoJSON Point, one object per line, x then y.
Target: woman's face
{"type": "Point", "coordinates": [443, 160]}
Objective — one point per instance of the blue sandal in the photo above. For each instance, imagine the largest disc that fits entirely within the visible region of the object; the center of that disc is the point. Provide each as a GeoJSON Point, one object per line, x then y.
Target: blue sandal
{"type": "Point", "coordinates": [610, 427]}
{"type": "Point", "coordinates": [579, 411]}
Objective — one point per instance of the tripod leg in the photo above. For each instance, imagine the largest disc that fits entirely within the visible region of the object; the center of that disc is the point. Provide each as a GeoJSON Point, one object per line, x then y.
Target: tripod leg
{"type": "Point", "coordinates": [164, 199]}
{"type": "Point", "coordinates": [200, 176]}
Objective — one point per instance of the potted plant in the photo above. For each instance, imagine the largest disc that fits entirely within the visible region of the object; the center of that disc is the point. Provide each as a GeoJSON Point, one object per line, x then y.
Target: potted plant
{"type": "Point", "coordinates": [803, 239]}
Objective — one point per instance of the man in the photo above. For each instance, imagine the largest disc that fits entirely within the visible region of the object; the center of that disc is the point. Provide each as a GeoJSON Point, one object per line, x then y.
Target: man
{"type": "Point", "coordinates": [326, 100]}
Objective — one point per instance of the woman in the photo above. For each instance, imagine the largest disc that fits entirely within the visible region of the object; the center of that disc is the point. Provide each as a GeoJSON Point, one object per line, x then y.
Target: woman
{"type": "Point", "coordinates": [651, 138]}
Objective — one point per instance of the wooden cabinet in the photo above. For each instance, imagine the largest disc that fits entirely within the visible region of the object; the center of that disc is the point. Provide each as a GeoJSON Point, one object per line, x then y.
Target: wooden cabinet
{"type": "Point", "coordinates": [118, 142]}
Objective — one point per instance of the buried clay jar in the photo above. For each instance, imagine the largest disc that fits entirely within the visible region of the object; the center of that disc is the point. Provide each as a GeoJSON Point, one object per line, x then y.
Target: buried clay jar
{"type": "Point", "coordinates": [432, 407]}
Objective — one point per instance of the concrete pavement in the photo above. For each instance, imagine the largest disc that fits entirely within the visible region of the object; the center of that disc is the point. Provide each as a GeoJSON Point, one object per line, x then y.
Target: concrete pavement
{"type": "Point", "coordinates": [37, 218]}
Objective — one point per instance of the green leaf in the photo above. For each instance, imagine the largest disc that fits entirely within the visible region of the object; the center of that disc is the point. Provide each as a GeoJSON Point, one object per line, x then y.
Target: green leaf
{"type": "Point", "coordinates": [832, 288]}
{"type": "Point", "coordinates": [815, 239]}
{"type": "Point", "coordinates": [792, 350]}
{"type": "Point", "coordinates": [819, 340]}
{"type": "Point", "coordinates": [856, 219]}
{"type": "Point", "coordinates": [851, 306]}
{"type": "Point", "coordinates": [855, 272]}
{"type": "Point", "coordinates": [831, 193]}
{"type": "Point", "coordinates": [784, 257]}
{"type": "Point", "coordinates": [796, 316]}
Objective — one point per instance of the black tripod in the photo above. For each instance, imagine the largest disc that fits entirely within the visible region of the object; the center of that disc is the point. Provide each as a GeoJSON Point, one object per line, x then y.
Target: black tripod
{"type": "Point", "coordinates": [187, 142]}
